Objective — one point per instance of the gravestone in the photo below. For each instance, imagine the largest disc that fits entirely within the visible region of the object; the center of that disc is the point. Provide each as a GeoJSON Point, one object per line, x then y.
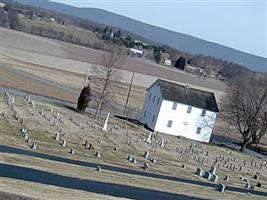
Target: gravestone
{"type": "Point", "coordinates": [258, 185]}
{"type": "Point", "coordinates": [58, 116]}
{"type": "Point", "coordinates": [116, 127]}
{"type": "Point", "coordinates": [56, 136]}
{"type": "Point", "coordinates": [64, 143]}
{"type": "Point", "coordinates": [91, 147]}
{"type": "Point", "coordinates": [214, 178]}
{"type": "Point", "coordinates": [130, 158]}
{"type": "Point", "coordinates": [183, 166]}
{"type": "Point", "coordinates": [200, 172]}
{"type": "Point", "coordinates": [98, 168]}
{"type": "Point", "coordinates": [17, 117]}
{"type": "Point", "coordinates": [98, 154]}
{"type": "Point", "coordinates": [207, 175]}
{"type": "Point", "coordinates": [23, 130]}
{"type": "Point", "coordinates": [34, 147]}
{"type": "Point", "coordinates": [130, 143]}
{"type": "Point", "coordinates": [85, 143]}
{"type": "Point", "coordinates": [32, 104]}
{"type": "Point", "coordinates": [72, 152]}
{"type": "Point", "coordinates": [146, 166]}
{"type": "Point", "coordinates": [247, 185]}
{"type": "Point", "coordinates": [162, 142]}
{"type": "Point", "coordinates": [256, 177]}
{"type": "Point", "coordinates": [221, 187]}
{"type": "Point", "coordinates": [153, 160]}
{"type": "Point", "coordinates": [42, 111]}
{"type": "Point", "coordinates": [226, 178]}
{"type": "Point", "coordinates": [146, 154]}
{"type": "Point", "coordinates": [213, 169]}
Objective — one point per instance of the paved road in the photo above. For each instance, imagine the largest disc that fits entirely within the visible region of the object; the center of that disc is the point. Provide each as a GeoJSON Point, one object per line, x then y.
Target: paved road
{"type": "Point", "coordinates": [38, 97]}
{"type": "Point", "coordinates": [116, 190]}
{"type": "Point", "coordinates": [7, 149]}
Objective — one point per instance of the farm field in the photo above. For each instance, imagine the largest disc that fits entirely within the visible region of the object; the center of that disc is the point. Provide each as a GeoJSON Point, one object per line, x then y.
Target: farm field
{"type": "Point", "coordinates": [59, 55]}
{"type": "Point", "coordinates": [84, 35]}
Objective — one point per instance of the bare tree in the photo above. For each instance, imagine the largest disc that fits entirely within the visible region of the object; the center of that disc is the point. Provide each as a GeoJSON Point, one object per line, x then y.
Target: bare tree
{"type": "Point", "coordinates": [245, 107]}
{"type": "Point", "coordinates": [107, 75]}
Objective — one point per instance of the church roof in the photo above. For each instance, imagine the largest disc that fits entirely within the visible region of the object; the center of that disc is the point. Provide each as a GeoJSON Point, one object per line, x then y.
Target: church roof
{"type": "Point", "coordinates": [186, 95]}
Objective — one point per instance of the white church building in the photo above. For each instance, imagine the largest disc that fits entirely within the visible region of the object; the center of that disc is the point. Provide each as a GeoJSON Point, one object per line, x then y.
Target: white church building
{"type": "Point", "coordinates": [179, 110]}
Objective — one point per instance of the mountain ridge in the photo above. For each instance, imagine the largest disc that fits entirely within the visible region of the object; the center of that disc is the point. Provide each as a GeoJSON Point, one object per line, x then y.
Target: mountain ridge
{"type": "Point", "coordinates": [181, 41]}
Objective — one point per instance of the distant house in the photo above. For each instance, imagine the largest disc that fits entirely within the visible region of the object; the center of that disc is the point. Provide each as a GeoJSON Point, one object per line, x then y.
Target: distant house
{"type": "Point", "coordinates": [136, 52]}
{"type": "Point", "coordinates": [140, 42]}
{"type": "Point", "coordinates": [179, 110]}
{"type": "Point", "coordinates": [111, 35]}
{"type": "Point", "coordinates": [191, 68]}
{"type": "Point", "coordinates": [167, 62]}
{"type": "Point", "coordinates": [2, 5]}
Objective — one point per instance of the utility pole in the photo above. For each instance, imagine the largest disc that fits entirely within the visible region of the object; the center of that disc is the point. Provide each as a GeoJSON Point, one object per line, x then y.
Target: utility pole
{"type": "Point", "coordinates": [86, 79]}
{"type": "Point", "coordinates": [129, 92]}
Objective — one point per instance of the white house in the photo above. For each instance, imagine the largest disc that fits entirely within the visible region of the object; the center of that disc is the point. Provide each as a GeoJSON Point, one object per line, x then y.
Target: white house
{"type": "Point", "coordinates": [167, 62]}
{"type": "Point", "coordinates": [140, 42]}
{"type": "Point", "coordinates": [2, 5]}
{"type": "Point", "coordinates": [179, 110]}
{"type": "Point", "coordinates": [136, 52]}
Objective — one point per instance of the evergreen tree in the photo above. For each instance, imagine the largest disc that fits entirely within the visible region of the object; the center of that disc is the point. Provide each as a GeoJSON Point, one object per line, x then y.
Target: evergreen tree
{"type": "Point", "coordinates": [84, 99]}
{"type": "Point", "coordinates": [180, 63]}
{"type": "Point", "coordinates": [157, 54]}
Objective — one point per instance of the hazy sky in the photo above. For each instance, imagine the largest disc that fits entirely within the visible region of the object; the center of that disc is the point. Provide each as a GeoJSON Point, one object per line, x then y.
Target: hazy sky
{"type": "Point", "coordinates": [238, 24]}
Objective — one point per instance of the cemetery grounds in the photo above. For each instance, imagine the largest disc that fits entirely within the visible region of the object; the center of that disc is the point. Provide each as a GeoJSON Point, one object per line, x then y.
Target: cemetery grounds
{"type": "Point", "coordinates": [177, 157]}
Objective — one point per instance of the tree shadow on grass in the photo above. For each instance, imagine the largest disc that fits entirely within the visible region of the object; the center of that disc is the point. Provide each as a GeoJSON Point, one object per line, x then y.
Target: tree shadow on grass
{"type": "Point", "coordinates": [72, 108]}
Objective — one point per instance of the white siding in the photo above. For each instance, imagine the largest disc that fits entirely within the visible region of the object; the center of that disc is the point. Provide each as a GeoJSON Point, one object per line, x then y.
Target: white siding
{"type": "Point", "coordinates": [151, 108]}
{"type": "Point", "coordinates": [183, 123]}
{"type": "Point", "coordinates": [167, 62]}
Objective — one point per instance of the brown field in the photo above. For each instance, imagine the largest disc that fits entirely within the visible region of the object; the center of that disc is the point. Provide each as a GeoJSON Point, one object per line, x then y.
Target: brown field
{"type": "Point", "coordinates": [69, 57]}
{"type": "Point", "coordinates": [84, 35]}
